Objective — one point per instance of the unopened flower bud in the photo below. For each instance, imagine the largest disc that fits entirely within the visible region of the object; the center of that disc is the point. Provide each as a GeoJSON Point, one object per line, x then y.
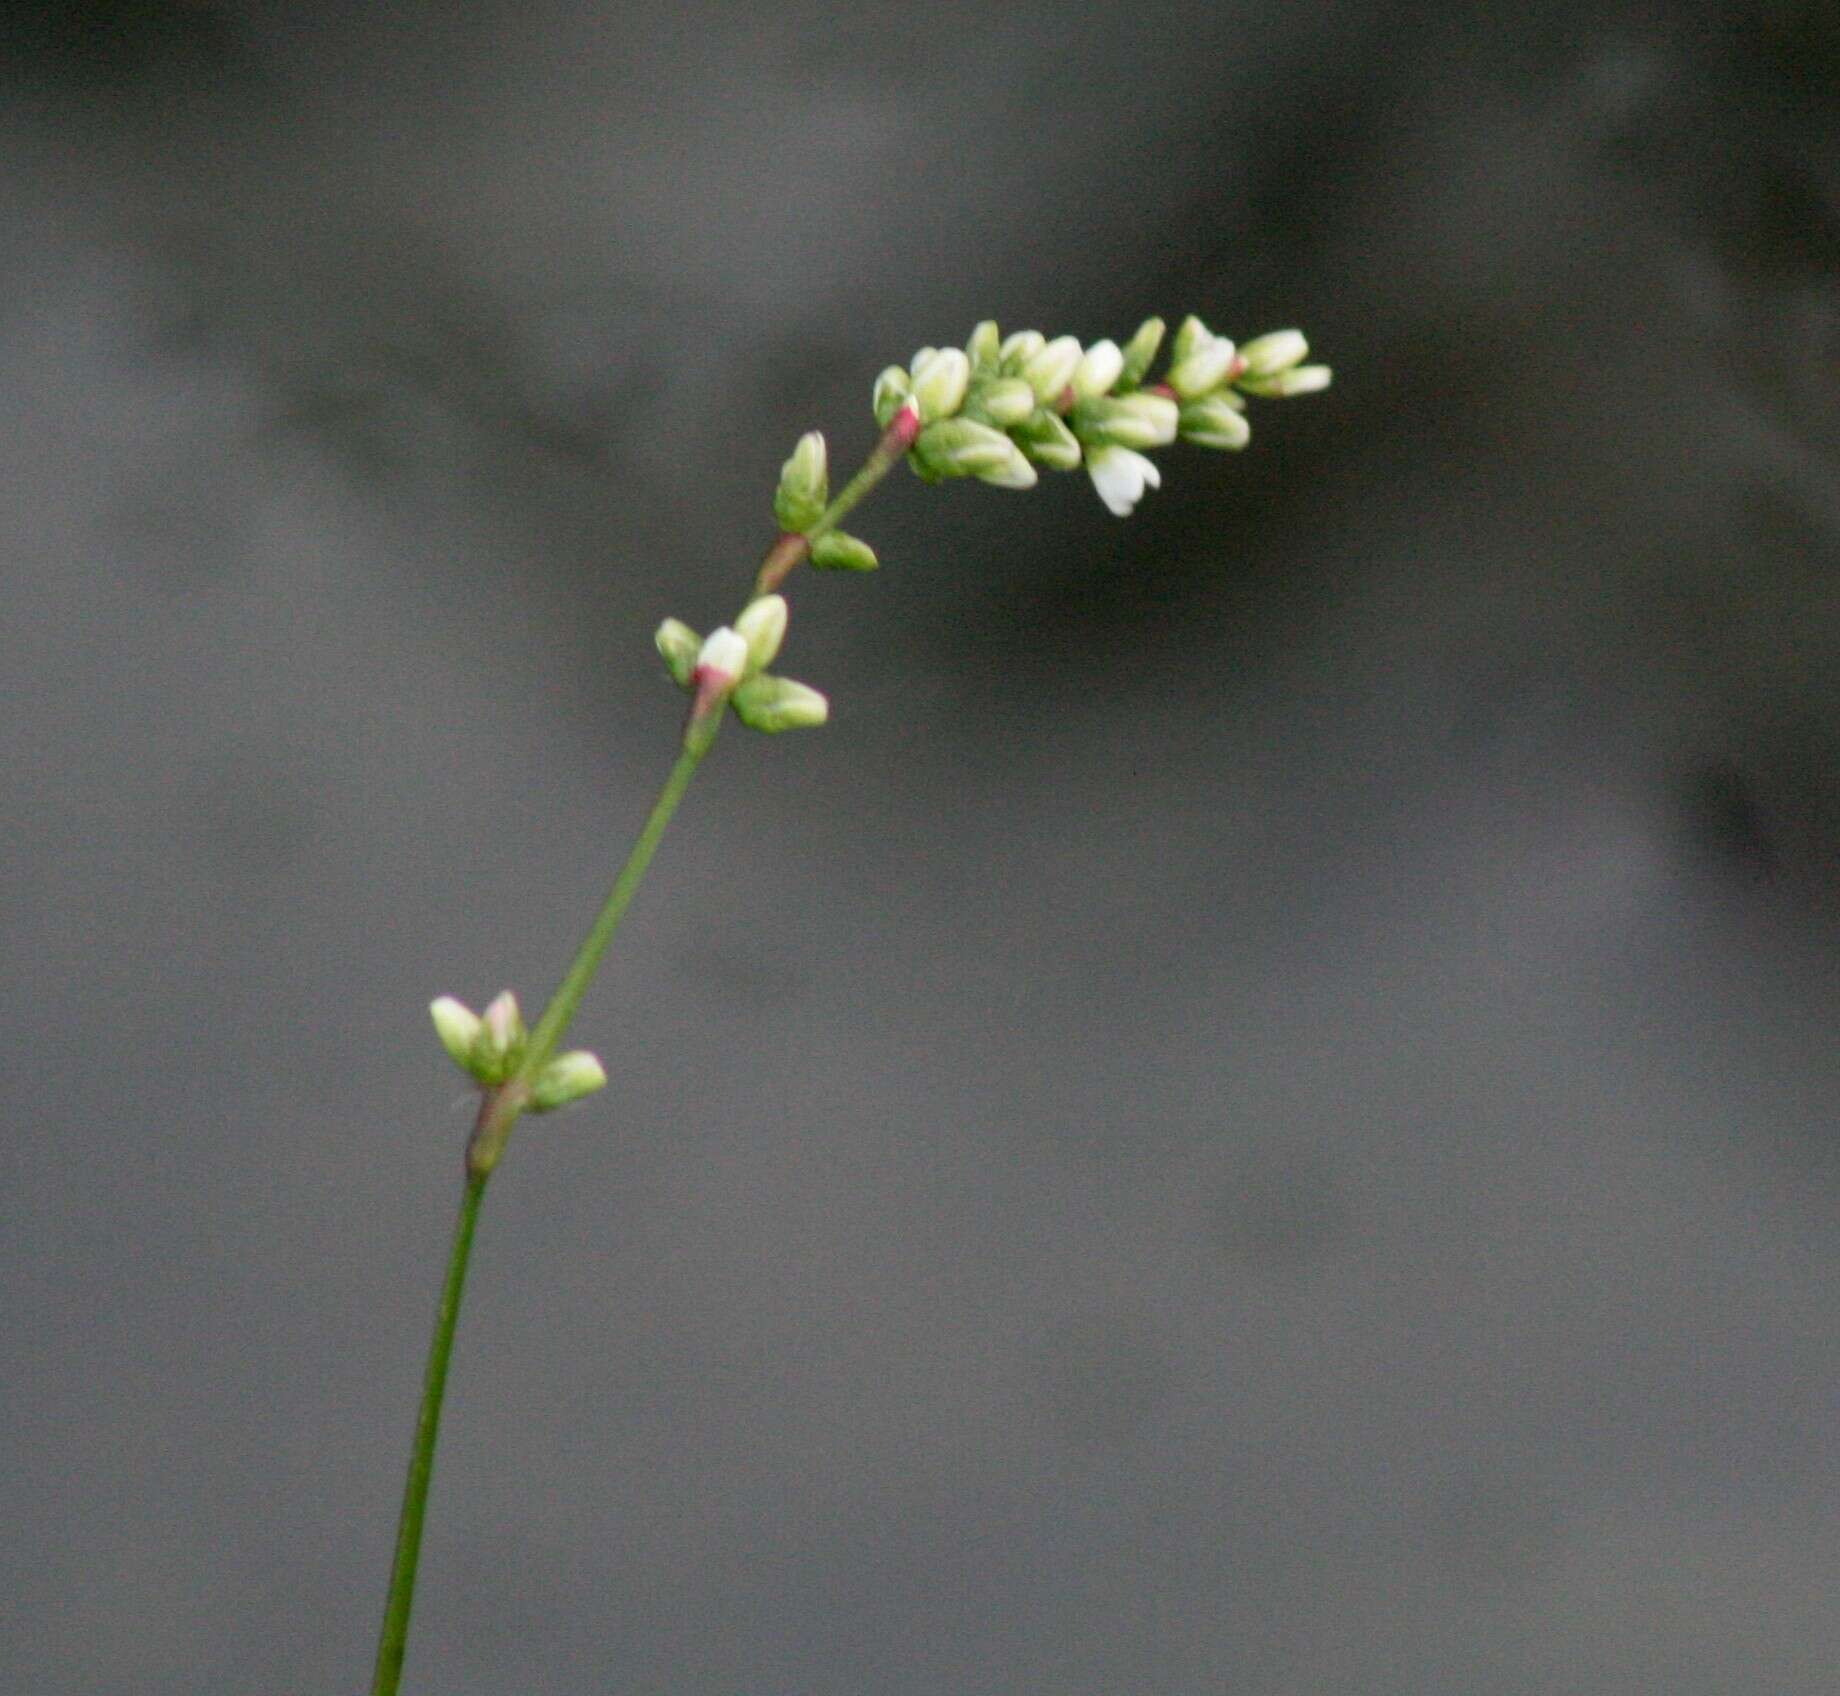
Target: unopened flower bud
{"type": "Point", "coordinates": [1282, 385]}
{"type": "Point", "coordinates": [1121, 476]}
{"type": "Point", "coordinates": [983, 345]}
{"type": "Point", "coordinates": [1014, 472]}
{"type": "Point", "coordinates": [804, 484]}
{"type": "Point", "coordinates": [940, 378]}
{"type": "Point", "coordinates": [1007, 401]}
{"type": "Point", "coordinates": [566, 1078]}
{"type": "Point", "coordinates": [678, 645]}
{"type": "Point", "coordinates": [458, 1027]}
{"type": "Point", "coordinates": [499, 1043]}
{"type": "Point", "coordinates": [1140, 354]}
{"type": "Point", "coordinates": [1215, 421]}
{"type": "Point", "coordinates": [1140, 420]}
{"type": "Point", "coordinates": [774, 704]}
{"type": "Point", "coordinates": [1050, 369]}
{"type": "Point", "coordinates": [892, 389]}
{"type": "Point", "coordinates": [1045, 438]}
{"type": "Point", "coordinates": [835, 551]}
{"type": "Point", "coordinates": [1190, 335]}
{"type": "Point", "coordinates": [961, 447]}
{"type": "Point", "coordinates": [1278, 351]}
{"type": "Point", "coordinates": [1016, 348]}
{"type": "Point", "coordinates": [1204, 367]}
{"type": "Point", "coordinates": [762, 626]}
{"type": "Point", "coordinates": [1098, 370]}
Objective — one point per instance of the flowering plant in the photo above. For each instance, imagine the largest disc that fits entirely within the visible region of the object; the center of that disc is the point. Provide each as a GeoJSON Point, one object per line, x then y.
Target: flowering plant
{"type": "Point", "coordinates": [998, 409]}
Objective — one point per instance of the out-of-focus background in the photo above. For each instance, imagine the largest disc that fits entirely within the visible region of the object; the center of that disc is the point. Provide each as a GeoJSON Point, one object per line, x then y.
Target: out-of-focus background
{"type": "Point", "coordinates": [1257, 1113]}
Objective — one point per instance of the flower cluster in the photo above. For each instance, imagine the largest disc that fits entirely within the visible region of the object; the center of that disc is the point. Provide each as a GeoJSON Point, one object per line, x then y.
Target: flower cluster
{"type": "Point", "coordinates": [729, 666]}
{"type": "Point", "coordinates": [490, 1046]}
{"type": "Point", "coordinates": [999, 407]}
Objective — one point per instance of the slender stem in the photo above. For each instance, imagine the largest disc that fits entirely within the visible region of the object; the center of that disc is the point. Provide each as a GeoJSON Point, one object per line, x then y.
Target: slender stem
{"type": "Point", "coordinates": [567, 999]}
{"type": "Point", "coordinates": [395, 1639]}
{"type": "Point", "coordinates": [502, 1106]}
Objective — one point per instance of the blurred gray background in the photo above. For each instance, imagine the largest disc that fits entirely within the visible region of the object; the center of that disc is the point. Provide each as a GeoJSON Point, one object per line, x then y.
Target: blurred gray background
{"type": "Point", "coordinates": [1256, 1114]}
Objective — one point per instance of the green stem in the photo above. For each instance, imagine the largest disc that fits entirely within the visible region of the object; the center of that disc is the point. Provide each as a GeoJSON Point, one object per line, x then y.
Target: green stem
{"type": "Point", "coordinates": [395, 1639]}
{"type": "Point", "coordinates": [501, 1107]}
{"type": "Point", "coordinates": [567, 999]}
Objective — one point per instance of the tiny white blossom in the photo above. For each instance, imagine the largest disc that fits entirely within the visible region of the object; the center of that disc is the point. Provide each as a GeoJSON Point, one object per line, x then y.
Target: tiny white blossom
{"type": "Point", "coordinates": [724, 654]}
{"type": "Point", "coordinates": [1121, 475]}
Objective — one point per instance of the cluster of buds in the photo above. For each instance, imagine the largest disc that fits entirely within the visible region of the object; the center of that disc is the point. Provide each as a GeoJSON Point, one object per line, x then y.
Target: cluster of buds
{"type": "Point", "coordinates": [999, 407]}
{"type": "Point", "coordinates": [489, 1047]}
{"type": "Point", "coordinates": [728, 666]}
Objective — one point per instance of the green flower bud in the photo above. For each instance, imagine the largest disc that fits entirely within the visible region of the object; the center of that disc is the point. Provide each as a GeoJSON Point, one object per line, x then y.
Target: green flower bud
{"type": "Point", "coordinates": [1282, 385]}
{"type": "Point", "coordinates": [1278, 351]}
{"type": "Point", "coordinates": [1014, 473]}
{"type": "Point", "coordinates": [762, 626]}
{"type": "Point", "coordinates": [1098, 370]}
{"type": "Point", "coordinates": [1045, 438]}
{"type": "Point", "coordinates": [458, 1027]}
{"type": "Point", "coordinates": [499, 1043]}
{"type": "Point", "coordinates": [1215, 421]}
{"type": "Point", "coordinates": [1205, 366]}
{"type": "Point", "coordinates": [834, 551]}
{"type": "Point", "coordinates": [678, 645]}
{"type": "Point", "coordinates": [941, 377]}
{"type": "Point", "coordinates": [1009, 400]}
{"type": "Point", "coordinates": [774, 704]}
{"type": "Point", "coordinates": [1128, 421]}
{"type": "Point", "coordinates": [566, 1078]}
{"type": "Point", "coordinates": [1190, 335]}
{"type": "Point", "coordinates": [1023, 345]}
{"type": "Point", "coordinates": [1139, 355]}
{"type": "Point", "coordinates": [892, 389]}
{"type": "Point", "coordinates": [983, 345]}
{"type": "Point", "coordinates": [961, 447]}
{"type": "Point", "coordinates": [804, 484]}
{"type": "Point", "coordinates": [1049, 370]}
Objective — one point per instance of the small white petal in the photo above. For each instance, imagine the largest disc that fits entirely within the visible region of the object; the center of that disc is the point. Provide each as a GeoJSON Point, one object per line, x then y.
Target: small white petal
{"type": "Point", "coordinates": [1121, 475]}
{"type": "Point", "coordinates": [724, 653]}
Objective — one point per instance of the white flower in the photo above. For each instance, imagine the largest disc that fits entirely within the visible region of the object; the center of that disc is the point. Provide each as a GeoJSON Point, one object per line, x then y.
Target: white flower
{"type": "Point", "coordinates": [1121, 475]}
{"type": "Point", "coordinates": [724, 654]}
